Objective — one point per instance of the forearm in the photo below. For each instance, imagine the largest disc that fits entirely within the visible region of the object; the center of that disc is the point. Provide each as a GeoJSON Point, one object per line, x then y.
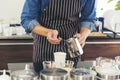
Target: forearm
{"type": "Point", "coordinates": [88, 15]}
{"type": "Point", "coordinates": [82, 35]}
{"type": "Point", "coordinates": [85, 32]}
{"type": "Point", "coordinates": [40, 30]}
{"type": "Point", "coordinates": [50, 34]}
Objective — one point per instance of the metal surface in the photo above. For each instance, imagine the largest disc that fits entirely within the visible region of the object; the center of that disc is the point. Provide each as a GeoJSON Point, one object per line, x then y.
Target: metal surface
{"type": "Point", "coordinates": [108, 74]}
{"type": "Point", "coordinates": [11, 44]}
{"type": "Point", "coordinates": [74, 47]}
{"type": "Point", "coordinates": [86, 43]}
{"type": "Point", "coordinates": [54, 74]}
{"type": "Point", "coordinates": [26, 74]}
{"type": "Point", "coordinates": [109, 77]}
{"type": "Point", "coordinates": [106, 69]}
{"type": "Point", "coordinates": [82, 74]}
{"type": "Point", "coordinates": [102, 42]}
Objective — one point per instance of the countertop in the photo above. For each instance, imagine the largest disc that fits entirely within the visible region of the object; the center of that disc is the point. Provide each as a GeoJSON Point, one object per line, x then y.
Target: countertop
{"type": "Point", "coordinates": [25, 36]}
{"type": "Point", "coordinates": [105, 35]}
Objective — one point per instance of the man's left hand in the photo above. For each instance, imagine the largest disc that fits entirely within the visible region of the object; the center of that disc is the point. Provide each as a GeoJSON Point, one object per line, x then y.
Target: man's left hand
{"type": "Point", "coordinates": [82, 36]}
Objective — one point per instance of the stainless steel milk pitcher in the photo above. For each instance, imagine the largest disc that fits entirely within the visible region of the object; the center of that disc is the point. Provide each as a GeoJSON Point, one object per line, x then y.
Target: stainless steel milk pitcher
{"type": "Point", "coordinates": [74, 47]}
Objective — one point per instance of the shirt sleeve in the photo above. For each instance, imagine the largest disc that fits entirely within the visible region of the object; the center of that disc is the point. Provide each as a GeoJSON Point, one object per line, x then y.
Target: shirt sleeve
{"type": "Point", "coordinates": [30, 14]}
{"type": "Point", "coordinates": [88, 14]}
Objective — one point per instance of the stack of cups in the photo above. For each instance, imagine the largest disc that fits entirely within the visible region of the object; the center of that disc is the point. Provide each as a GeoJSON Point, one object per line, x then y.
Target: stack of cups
{"type": "Point", "coordinates": [60, 58]}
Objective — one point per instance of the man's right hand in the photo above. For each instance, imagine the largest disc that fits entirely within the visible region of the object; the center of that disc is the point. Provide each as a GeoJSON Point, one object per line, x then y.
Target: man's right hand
{"type": "Point", "coordinates": [49, 33]}
{"type": "Point", "coordinates": [52, 37]}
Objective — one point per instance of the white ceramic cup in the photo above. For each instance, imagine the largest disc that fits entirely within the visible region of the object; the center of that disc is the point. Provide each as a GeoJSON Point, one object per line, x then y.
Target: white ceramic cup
{"type": "Point", "coordinates": [60, 58]}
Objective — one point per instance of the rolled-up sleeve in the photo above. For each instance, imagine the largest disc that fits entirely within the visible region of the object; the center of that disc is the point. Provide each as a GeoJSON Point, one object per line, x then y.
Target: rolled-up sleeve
{"type": "Point", "coordinates": [29, 15]}
{"type": "Point", "coordinates": [88, 14]}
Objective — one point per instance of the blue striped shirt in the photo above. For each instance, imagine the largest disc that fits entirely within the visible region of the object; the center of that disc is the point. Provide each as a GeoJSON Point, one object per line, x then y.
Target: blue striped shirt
{"type": "Point", "coordinates": [33, 8]}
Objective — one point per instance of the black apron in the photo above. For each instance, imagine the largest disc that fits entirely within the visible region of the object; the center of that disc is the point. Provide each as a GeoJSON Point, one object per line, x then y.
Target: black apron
{"type": "Point", "coordinates": [62, 15]}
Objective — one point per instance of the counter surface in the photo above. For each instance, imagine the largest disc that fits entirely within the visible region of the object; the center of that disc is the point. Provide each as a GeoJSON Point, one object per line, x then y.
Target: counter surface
{"type": "Point", "coordinates": [109, 35]}
{"type": "Point", "coordinates": [25, 36]}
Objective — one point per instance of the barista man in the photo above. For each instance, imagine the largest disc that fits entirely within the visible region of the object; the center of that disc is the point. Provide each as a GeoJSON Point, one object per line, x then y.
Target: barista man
{"type": "Point", "coordinates": [47, 19]}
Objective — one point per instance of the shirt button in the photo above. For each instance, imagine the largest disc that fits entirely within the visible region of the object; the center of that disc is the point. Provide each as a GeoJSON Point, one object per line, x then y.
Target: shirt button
{"type": "Point", "coordinates": [44, 9]}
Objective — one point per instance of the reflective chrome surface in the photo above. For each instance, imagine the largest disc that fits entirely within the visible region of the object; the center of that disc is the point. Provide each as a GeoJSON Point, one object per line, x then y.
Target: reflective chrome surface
{"type": "Point", "coordinates": [54, 74]}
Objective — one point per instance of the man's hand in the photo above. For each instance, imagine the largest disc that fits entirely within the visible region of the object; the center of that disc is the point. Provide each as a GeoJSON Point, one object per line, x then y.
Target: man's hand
{"type": "Point", "coordinates": [49, 33]}
{"type": "Point", "coordinates": [52, 37]}
{"type": "Point", "coordinates": [82, 36]}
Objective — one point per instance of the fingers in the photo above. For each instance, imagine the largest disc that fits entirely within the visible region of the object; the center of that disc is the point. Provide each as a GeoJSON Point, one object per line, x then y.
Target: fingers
{"type": "Point", "coordinates": [54, 41]}
{"type": "Point", "coordinates": [83, 44]}
{"type": "Point", "coordinates": [52, 37]}
{"type": "Point", "coordinates": [81, 39]}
